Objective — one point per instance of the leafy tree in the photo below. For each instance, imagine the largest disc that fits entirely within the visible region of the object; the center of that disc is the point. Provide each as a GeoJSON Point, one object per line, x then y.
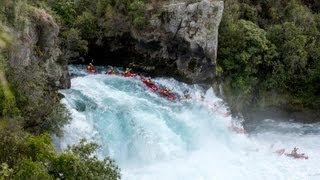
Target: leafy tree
{"type": "Point", "coordinates": [5, 171]}
{"type": "Point", "coordinates": [28, 169]}
{"type": "Point", "coordinates": [246, 53]}
{"type": "Point", "coordinates": [80, 163]}
{"type": "Point", "coordinates": [87, 25]}
{"type": "Point", "coordinates": [65, 9]}
{"type": "Point", "coordinates": [288, 63]}
{"type": "Point", "coordinates": [33, 157]}
{"type": "Point", "coordinates": [137, 13]}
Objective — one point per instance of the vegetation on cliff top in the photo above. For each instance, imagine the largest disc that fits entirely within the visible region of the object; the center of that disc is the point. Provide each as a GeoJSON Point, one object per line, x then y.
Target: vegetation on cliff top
{"type": "Point", "coordinates": [269, 53]}
{"type": "Point", "coordinates": [85, 23]}
{"type": "Point", "coordinates": [26, 118]}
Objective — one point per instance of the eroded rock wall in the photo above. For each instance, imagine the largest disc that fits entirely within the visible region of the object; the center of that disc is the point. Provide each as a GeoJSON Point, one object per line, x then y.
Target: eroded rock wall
{"type": "Point", "coordinates": [35, 50]}
{"type": "Point", "coordinates": [180, 39]}
{"type": "Point", "coordinates": [34, 68]}
{"type": "Point", "coordinates": [185, 36]}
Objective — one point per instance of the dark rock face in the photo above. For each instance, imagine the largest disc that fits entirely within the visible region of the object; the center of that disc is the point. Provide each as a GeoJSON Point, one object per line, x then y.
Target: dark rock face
{"type": "Point", "coordinates": [180, 40]}
{"type": "Point", "coordinates": [187, 35]}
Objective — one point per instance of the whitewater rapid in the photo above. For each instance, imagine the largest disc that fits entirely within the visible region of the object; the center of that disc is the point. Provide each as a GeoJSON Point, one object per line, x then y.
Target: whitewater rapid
{"type": "Point", "coordinates": [153, 138]}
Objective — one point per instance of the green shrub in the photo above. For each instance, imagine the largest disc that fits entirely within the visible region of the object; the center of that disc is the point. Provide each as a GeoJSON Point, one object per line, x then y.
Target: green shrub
{"type": "Point", "coordinates": [245, 51]}
{"type": "Point", "coordinates": [5, 171]}
{"type": "Point", "coordinates": [28, 169]}
{"type": "Point", "coordinates": [80, 163]}
{"type": "Point", "coordinates": [33, 157]}
{"type": "Point", "coordinates": [270, 46]}
{"type": "Point", "coordinates": [87, 25]}
{"type": "Point", "coordinates": [55, 121]}
{"type": "Point", "coordinates": [136, 10]}
{"type": "Point", "coordinates": [65, 9]}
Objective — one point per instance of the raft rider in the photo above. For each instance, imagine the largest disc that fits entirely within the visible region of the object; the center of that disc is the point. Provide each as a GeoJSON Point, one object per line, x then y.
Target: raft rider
{"type": "Point", "coordinates": [90, 66]}
{"type": "Point", "coordinates": [149, 81]}
{"type": "Point", "coordinates": [296, 155]}
{"type": "Point", "coordinates": [128, 71]}
{"type": "Point", "coordinates": [110, 71]}
{"type": "Point", "coordinates": [166, 91]}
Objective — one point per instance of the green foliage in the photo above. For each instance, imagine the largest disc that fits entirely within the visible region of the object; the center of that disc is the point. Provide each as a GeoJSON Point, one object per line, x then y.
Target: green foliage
{"type": "Point", "coordinates": [55, 121]}
{"type": "Point", "coordinates": [87, 25]}
{"type": "Point", "coordinates": [28, 169]}
{"type": "Point", "coordinates": [245, 50]}
{"type": "Point", "coordinates": [4, 37]}
{"type": "Point", "coordinates": [72, 41]}
{"type": "Point", "coordinates": [65, 9]}
{"type": "Point", "coordinates": [7, 99]}
{"type": "Point", "coordinates": [79, 163]}
{"type": "Point", "coordinates": [26, 156]}
{"type": "Point", "coordinates": [38, 148]}
{"type": "Point", "coordinates": [5, 171]}
{"type": "Point", "coordinates": [11, 140]}
{"type": "Point", "coordinates": [270, 46]}
{"type": "Point", "coordinates": [137, 13]}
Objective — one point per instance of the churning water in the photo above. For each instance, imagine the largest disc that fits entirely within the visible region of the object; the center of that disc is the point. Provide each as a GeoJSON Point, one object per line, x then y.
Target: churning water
{"type": "Point", "coordinates": [153, 138]}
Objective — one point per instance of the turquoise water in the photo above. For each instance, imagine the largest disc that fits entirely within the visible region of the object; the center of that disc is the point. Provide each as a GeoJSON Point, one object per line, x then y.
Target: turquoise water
{"type": "Point", "coordinates": [151, 137]}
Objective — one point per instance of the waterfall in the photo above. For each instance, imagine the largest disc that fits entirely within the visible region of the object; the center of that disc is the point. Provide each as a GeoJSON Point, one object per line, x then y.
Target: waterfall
{"type": "Point", "coordinates": [151, 137]}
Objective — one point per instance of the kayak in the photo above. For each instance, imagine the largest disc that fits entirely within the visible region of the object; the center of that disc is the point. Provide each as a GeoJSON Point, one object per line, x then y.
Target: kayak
{"type": "Point", "coordinates": [170, 96]}
{"type": "Point", "coordinates": [150, 85]}
{"type": "Point", "coordinates": [92, 70]}
{"type": "Point", "coordinates": [129, 75]}
{"type": "Point", "coordinates": [296, 156]}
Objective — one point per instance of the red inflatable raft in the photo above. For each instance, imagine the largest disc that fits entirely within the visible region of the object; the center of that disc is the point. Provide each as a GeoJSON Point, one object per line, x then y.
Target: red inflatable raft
{"type": "Point", "coordinates": [91, 70]}
{"type": "Point", "coordinates": [169, 95]}
{"type": "Point", "coordinates": [150, 85]}
{"type": "Point", "coordinates": [129, 74]}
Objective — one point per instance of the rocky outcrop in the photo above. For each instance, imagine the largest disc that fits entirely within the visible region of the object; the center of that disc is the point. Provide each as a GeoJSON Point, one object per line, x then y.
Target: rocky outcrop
{"type": "Point", "coordinates": [187, 33]}
{"type": "Point", "coordinates": [36, 51]}
{"type": "Point", "coordinates": [185, 36]}
{"type": "Point", "coordinates": [180, 40]}
{"type": "Point", "coordinates": [33, 66]}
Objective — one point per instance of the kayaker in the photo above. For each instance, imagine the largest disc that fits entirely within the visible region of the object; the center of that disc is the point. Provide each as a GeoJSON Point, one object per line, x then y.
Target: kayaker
{"type": "Point", "coordinates": [294, 151]}
{"type": "Point", "coordinates": [90, 66]}
{"type": "Point", "coordinates": [296, 155]}
{"type": "Point", "coordinates": [149, 81]}
{"type": "Point", "coordinates": [166, 91]}
{"type": "Point", "coordinates": [128, 71]}
{"type": "Point", "coordinates": [110, 71]}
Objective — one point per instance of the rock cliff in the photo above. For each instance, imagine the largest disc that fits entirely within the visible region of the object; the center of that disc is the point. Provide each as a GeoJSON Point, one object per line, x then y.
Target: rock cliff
{"type": "Point", "coordinates": [34, 68]}
{"type": "Point", "coordinates": [36, 50]}
{"type": "Point", "coordinates": [186, 35]}
{"type": "Point", "coordinates": [180, 39]}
